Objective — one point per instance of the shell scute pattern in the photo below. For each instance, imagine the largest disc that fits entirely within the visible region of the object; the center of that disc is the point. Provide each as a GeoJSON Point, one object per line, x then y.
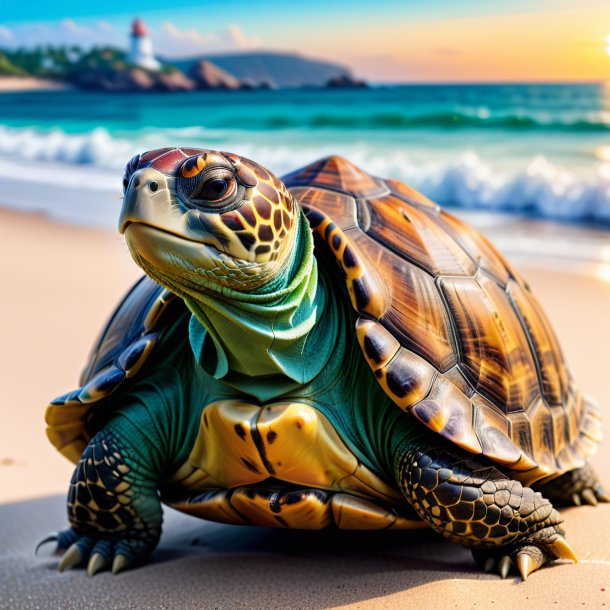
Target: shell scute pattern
{"type": "Point", "coordinates": [337, 174]}
{"type": "Point", "coordinates": [493, 431]}
{"type": "Point", "coordinates": [543, 442]}
{"type": "Point", "coordinates": [495, 354]}
{"type": "Point", "coordinates": [365, 289]}
{"type": "Point", "coordinates": [410, 195]}
{"type": "Point", "coordinates": [554, 376]}
{"type": "Point", "coordinates": [484, 255]}
{"type": "Point", "coordinates": [417, 315]}
{"type": "Point", "coordinates": [339, 206]}
{"type": "Point", "coordinates": [417, 236]}
{"type": "Point", "coordinates": [500, 385]}
{"type": "Point", "coordinates": [450, 413]}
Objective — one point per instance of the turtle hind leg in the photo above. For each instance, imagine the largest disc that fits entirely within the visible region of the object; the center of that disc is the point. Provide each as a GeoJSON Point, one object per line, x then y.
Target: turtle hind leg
{"type": "Point", "coordinates": [472, 503]}
{"type": "Point", "coordinates": [113, 508]}
{"type": "Point", "coordinates": [575, 487]}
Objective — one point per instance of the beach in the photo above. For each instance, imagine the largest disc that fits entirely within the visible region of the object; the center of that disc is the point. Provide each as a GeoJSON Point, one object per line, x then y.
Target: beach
{"type": "Point", "coordinates": [61, 283]}
{"type": "Point", "coordinates": [29, 83]}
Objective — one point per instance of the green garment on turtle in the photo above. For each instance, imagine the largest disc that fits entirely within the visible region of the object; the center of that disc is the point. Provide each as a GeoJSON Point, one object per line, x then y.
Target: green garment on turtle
{"type": "Point", "coordinates": [284, 333]}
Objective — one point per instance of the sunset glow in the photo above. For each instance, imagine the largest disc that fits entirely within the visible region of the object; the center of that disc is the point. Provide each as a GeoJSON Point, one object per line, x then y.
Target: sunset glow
{"type": "Point", "coordinates": [535, 40]}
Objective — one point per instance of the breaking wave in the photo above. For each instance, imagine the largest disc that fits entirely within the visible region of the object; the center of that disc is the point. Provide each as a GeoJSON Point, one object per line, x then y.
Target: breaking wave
{"type": "Point", "coordinates": [537, 188]}
{"type": "Point", "coordinates": [481, 118]}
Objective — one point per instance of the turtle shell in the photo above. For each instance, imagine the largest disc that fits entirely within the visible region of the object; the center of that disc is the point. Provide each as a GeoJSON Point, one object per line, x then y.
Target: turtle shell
{"type": "Point", "coordinates": [119, 354]}
{"type": "Point", "coordinates": [452, 333]}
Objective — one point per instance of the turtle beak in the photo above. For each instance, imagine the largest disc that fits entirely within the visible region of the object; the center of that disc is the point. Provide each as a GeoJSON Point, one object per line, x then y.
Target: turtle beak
{"type": "Point", "coordinates": [146, 200]}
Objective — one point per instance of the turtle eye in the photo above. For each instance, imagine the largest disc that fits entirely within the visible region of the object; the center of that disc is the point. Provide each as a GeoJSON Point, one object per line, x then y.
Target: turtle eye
{"type": "Point", "coordinates": [214, 189]}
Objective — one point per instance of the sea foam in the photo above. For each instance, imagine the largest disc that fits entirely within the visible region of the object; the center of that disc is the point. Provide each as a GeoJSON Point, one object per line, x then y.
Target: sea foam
{"type": "Point", "coordinates": [94, 161]}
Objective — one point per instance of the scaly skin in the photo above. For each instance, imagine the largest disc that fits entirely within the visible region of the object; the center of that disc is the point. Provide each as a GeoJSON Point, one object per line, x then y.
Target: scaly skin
{"type": "Point", "coordinates": [472, 503]}
{"type": "Point", "coordinates": [113, 506]}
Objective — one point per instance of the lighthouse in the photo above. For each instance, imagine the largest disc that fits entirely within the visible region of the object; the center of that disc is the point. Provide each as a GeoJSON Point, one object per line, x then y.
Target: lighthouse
{"type": "Point", "coordinates": [140, 49]}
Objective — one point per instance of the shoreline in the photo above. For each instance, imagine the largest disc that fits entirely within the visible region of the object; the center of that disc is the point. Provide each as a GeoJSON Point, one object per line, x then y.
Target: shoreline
{"type": "Point", "coordinates": [11, 84]}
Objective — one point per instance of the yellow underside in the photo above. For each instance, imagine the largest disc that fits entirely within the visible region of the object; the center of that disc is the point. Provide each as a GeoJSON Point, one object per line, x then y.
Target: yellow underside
{"type": "Point", "coordinates": [244, 452]}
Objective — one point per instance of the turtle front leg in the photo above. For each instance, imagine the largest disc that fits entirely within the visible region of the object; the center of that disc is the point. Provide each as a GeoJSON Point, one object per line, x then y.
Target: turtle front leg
{"type": "Point", "coordinates": [576, 487]}
{"type": "Point", "coordinates": [113, 507]}
{"type": "Point", "coordinates": [474, 504]}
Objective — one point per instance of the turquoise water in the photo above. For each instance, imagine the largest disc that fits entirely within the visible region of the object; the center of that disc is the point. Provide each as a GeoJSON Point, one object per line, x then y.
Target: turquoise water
{"type": "Point", "coordinates": [537, 149]}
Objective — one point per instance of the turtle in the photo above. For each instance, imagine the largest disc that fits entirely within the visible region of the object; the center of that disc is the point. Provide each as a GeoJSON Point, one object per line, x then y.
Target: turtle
{"type": "Point", "coordinates": [329, 350]}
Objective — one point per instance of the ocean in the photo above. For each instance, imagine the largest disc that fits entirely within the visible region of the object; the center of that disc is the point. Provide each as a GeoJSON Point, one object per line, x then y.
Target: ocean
{"type": "Point", "coordinates": [540, 150]}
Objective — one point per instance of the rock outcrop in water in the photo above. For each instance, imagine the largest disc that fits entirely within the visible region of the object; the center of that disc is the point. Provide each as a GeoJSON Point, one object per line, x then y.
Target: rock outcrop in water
{"type": "Point", "coordinates": [209, 76]}
{"type": "Point", "coordinates": [132, 80]}
{"type": "Point", "coordinates": [345, 81]}
{"type": "Point", "coordinates": [271, 69]}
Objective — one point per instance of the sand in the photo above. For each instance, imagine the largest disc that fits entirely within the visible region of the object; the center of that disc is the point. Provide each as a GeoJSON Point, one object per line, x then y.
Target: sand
{"type": "Point", "coordinates": [30, 83]}
{"type": "Point", "coordinates": [60, 284]}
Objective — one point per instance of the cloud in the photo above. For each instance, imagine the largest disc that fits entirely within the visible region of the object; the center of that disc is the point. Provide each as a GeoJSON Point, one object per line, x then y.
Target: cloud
{"type": "Point", "coordinates": [64, 32]}
{"type": "Point", "coordinates": [6, 35]}
{"type": "Point", "coordinates": [168, 40]}
{"type": "Point", "coordinates": [171, 41]}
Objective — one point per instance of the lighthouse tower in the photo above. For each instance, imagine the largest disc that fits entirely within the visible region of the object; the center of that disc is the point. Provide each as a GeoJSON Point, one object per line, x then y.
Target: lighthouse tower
{"type": "Point", "coordinates": [140, 49]}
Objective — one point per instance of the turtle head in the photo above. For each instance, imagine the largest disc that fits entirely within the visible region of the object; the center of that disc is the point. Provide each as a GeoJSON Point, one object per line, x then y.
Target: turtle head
{"type": "Point", "coordinates": [195, 218]}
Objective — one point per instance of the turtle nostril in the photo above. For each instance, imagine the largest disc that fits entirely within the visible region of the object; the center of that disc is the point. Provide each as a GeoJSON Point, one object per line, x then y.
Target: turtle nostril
{"type": "Point", "coordinates": [153, 186]}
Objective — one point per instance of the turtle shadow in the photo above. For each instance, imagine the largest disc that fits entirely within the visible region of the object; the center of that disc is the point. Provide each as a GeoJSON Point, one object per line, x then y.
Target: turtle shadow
{"type": "Point", "coordinates": [321, 569]}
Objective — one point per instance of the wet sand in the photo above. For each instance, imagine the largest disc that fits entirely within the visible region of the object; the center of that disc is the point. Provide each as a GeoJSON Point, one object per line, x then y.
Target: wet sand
{"type": "Point", "coordinates": [60, 284]}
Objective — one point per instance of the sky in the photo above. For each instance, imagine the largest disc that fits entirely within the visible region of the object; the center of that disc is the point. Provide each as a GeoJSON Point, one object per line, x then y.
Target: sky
{"type": "Point", "coordinates": [385, 40]}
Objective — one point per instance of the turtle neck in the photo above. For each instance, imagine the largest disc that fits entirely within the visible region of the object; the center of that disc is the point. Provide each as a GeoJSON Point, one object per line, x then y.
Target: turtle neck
{"type": "Point", "coordinates": [267, 342]}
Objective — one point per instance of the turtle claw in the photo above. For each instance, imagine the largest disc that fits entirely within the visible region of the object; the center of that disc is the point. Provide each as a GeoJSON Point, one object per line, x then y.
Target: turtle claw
{"type": "Point", "coordinates": [526, 565]}
{"type": "Point", "coordinates": [591, 496]}
{"type": "Point", "coordinates": [96, 554]}
{"type": "Point", "coordinates": [595, 495]}
{"type": "Point", "coordinates": [504, 566]}
{"type": "Point", "coordinates": [562, 550]}
{"type": "Point", "coordinates": [120, 563]}
{"type": "Point", "coordinates": [575, 488]}
{"type": "Point", "coordinates": [588, 495]}
{"type": "Point", "coordinates": [97, 563]}
{"type": "Point", "coordinates": [54, 537]}
{"type": "Point", "coordinates": [525, 556]}
{"type": "Point", "coordinates": [72, 557]}
{"type": "Point", "coordinates": [525, 559]}
{"type": "Point", "coordinates": [601, 495]}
